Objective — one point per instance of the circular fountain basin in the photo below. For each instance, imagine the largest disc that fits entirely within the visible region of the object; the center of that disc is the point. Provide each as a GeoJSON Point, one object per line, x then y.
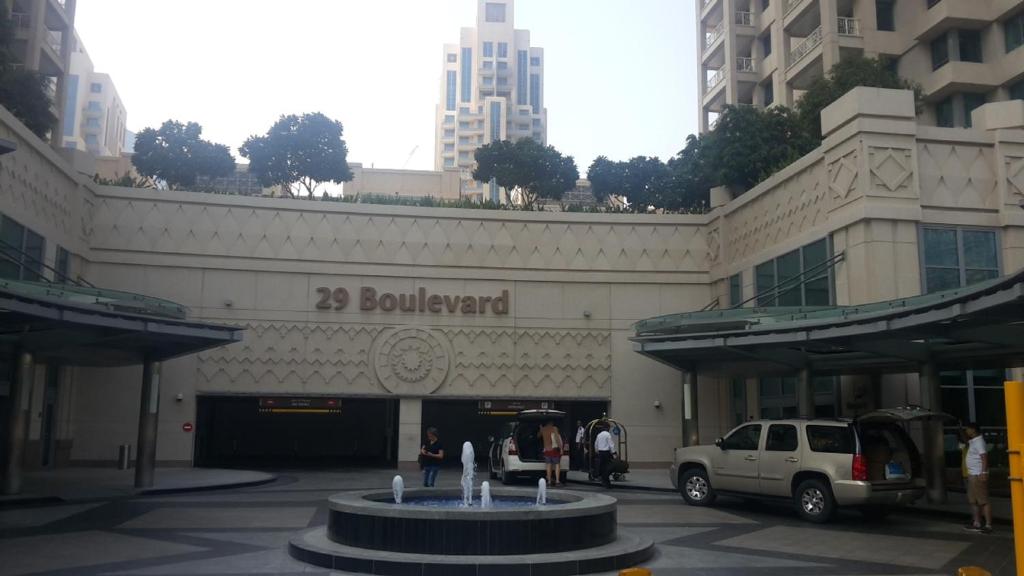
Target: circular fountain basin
{"type": "Point", "coordinates": [435, 522]}
{"type": "Point", "coordinates": [431, 532]}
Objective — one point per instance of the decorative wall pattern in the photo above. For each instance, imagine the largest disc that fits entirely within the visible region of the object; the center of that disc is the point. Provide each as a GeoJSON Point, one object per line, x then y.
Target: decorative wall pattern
{"type": "Point", "coordinates": [794, 206]}
{"type": "Point", "coordinates": [842, 175]}
{"type": "Point", "coordinates": [1014, 178]}
{"type": "Point", "coordinates": [892, 170]}
{"type": "Point", "coordinates": [956, 175]}
{"type": "Point", "coordinates": [354, 359]}
{"type": "Point", "coordinates": [182, 227]}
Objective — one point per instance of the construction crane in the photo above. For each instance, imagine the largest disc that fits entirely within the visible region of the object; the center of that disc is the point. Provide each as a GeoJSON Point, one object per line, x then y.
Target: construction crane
{"type": "Point", "coordinates": [414, 149]}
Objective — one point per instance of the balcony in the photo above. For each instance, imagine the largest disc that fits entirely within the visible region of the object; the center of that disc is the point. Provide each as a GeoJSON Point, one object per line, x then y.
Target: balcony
{"type": "Point", "coordinates": [745, 64]}
{"type": "Point", "coordinates": [848, 26]}
{"type": "Point", "coordinates": [812, 41]}
{"type": "Point", "coordinates": [714, 34]}
{"type": "Point", "coordinates": [745, 18]}
{"type": "Point", "coordinates": [53, 40]}
{"type": "Point", "coordinates": [21, 20]}
{"type": "Point", "coordinates": [791, 5]}
{"type": "Point", "coordinates": [715, 80]}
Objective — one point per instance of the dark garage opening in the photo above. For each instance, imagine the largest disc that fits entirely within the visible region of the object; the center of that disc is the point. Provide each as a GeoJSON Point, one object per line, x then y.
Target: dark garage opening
{"type": "Point", "coordinates": [460, 420]}
{"type": "Point", "coordinates": [295, 432]}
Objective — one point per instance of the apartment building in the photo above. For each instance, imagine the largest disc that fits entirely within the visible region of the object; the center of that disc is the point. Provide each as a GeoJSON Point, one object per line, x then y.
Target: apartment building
{"type": "Point", "coordinates": [492, 88]}
{"type": "Point", "coordinates": [43, 39]}
{"type": "Point", "coordinates": [94, 115]}
{"type": "Point", "coordinates": [964, 53]}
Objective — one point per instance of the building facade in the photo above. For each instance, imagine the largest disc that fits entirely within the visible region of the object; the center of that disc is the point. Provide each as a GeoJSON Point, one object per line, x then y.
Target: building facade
{"type": "Point", "coordinates": [492, 88]}
{"type": "Point", "coordinates": [963, 53]}
{"type": "Point", "coordinates": [94, 115]}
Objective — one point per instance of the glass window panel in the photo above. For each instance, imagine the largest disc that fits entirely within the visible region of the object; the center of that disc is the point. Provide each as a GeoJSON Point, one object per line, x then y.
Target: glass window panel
{"type": "Point", "coordinates": [958, 378]}
{"type": "Point", "coordinates": [12, 234]}
{"type": "Point", "coordinates": [781, 438]}
{"type": "Point", "coordinates": [940, 247]}
{"type": "Point", "coordinates": [989, 407]}
{"type": "Point", "coordinates": [938, 279]}
{"type": "Point", "coordinates": [975, 276]}
{"type": "Point", "coordinates": [980, 249]}
{"type": "Point", "coordinates": [1017, 91]}
{"type": "Point", "coordinates": [790, 412]}
{"type": "Point", "coordinates": [788, 268]}
{"type": "Point", "coordinates": [764, 278]}
{"type": "Point", "coordinates": [815, 253]}
{"type": "Point", "coordinates": [735, 290]}
{"type": "Point", "coordinates": [33, 259]}
{"type": "Point", "coordinates": [745, 438]}
{"type": "Point", "coordinates": [817, 293]}
{"type": "Point", "coordinates": [989, 378]}
{"type": "Point", "coordinates": [944, 113]}
{"type": "Point", "coordinates": [825, 411]}
{"type": "Point", "coordinates": [1014, 28]}
{"type": "Point", "coordinates": [831, 439]}
{"type": "Point", "coordinates": [940, 52]}
{"type": "Point", "coordinates": [771, 412]}
{"type": "Point", "coordinates": [771, 386]}
{"type": "Point", "coordinates": [824, 385]}
{"type": "Point", "coordinates": [789, 386]}
{"type": "Point", "coordinates": [970, 45]}
{"type": "Point", "coordinates": [954, 402]}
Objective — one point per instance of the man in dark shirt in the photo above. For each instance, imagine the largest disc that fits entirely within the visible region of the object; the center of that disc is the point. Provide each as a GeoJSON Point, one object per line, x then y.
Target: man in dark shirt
{"type": "Point", "coordinates": [431, 456]}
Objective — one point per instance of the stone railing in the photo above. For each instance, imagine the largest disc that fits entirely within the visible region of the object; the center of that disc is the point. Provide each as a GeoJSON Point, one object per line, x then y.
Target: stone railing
{"type": "Point", "coordinates": [745, 64]}
{"type": "Point", "coordinates": [802, 49]}
{"type": "Point", "coordinates": [745, 18]}
{"type": "Point", "coordinates": [715, 79]}
{"type": "Point", "coordinates": [714, 34]}
{"type": "Point", "coordinates": [848, 26]}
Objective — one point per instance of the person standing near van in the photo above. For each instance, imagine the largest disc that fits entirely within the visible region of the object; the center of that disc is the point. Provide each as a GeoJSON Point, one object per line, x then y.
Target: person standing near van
{"type": "Point", "coordinates": [551, 436]}
{"type": "Point", "coordinates": [431, 456]}
{"type": "Point", "coordinates": [977, 479]}
{"type": "Point", "coordinates": [605, 447]}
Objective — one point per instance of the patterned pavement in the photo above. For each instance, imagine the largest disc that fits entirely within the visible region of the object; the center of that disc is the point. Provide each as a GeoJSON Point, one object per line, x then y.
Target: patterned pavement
{"type": "Point", "coordinates": [245, 531]}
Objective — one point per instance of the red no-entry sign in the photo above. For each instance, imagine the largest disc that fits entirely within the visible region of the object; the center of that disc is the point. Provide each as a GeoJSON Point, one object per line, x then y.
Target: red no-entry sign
{"type": "Point", "coordinates": [187, 427]}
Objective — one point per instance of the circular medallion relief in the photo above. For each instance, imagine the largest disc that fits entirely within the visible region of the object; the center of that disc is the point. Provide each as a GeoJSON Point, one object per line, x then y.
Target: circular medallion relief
{"type": "Point", "coordinates": [411, 361]}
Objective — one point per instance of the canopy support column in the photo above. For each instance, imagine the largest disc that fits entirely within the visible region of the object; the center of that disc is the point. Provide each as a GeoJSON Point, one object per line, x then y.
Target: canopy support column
{"type": "Point", "coordinates": [934, 451]}
{"type": "Point", "coordinates": [149, 412]}
{"type": "Point", "coordinates": [17, 431]}
{"type": "Point", "coordinates": [691, 433]}
{"type": "Point", "coordinates": [805, 393]}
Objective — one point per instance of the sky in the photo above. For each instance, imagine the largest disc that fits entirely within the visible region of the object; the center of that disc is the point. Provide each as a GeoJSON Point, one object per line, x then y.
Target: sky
{"type": "Point", "coordinates": [620, 75]}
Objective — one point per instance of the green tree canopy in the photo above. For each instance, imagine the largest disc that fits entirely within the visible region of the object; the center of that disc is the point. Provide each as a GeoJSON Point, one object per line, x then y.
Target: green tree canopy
{"type": "Point", "coordinates": [539, 171]}
{"type": "Point", "coordinates": [844, 76]}
{"type": "Point", "coordinates": [23, 92]}
{"type": "Point", "coordinates": [176, 154]}
{"type": "Point", "coordinates": [644, 181]}
{"type": "Point", "coordinates": [303, 151]}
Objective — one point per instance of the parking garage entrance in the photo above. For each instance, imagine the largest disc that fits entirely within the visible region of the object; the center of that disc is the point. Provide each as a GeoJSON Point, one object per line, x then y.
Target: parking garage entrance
{"type": "Point", "coordinates": [295, 431]}
{"type": "Point", "coordinates": [476, 420]}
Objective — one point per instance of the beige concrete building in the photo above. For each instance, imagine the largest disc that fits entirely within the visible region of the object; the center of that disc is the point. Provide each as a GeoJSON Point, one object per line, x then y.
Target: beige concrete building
{"type": "Point", "coordinates": [43, 41]}
{"type": "Point", "coordinates": [443, 184]}
{"type": "Point", "coordinates": [94, 115]}
{"type": "Point", "coordinates": [492, 88]}
{"type": "Point", "coordinates": [366, 323]}
{"type": "Point", "coordinates": [964, 53]}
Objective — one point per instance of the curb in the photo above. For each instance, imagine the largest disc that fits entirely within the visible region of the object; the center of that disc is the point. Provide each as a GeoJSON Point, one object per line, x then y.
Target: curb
{"type": "Point", "coordinates": [207, 488]}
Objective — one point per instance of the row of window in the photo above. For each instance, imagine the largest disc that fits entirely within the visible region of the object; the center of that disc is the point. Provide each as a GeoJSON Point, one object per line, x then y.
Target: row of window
{"type": "Point", "coordinates": [22, 251]}
{"type": "Point", "coordinates": [488, 50]}
{"type": "Point", "coordinates": [784, 438]}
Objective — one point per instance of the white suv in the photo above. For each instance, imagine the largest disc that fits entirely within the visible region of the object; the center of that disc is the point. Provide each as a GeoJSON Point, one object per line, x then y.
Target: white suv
{"type": "Point", "coordinates": [518, 450]}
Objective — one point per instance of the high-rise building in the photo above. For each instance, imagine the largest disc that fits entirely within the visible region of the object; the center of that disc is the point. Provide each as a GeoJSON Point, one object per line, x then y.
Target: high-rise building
{"type": "Point", "coordinates": [43, 31]}
{"type": "Point", "coordinates": [492, 88]}
{"type": "Point", "coordinates": [964, 53]}
{"type": "Point", "coordinates": [94, 115]}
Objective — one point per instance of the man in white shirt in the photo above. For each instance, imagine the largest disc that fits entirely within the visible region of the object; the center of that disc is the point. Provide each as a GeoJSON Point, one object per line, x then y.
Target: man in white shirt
{"type": "Point", "coordinates": [605, 447]}
{"type": "Point", "coordinates": [977, 479]}
{"type": "Point", "coordinates": [578, 445]}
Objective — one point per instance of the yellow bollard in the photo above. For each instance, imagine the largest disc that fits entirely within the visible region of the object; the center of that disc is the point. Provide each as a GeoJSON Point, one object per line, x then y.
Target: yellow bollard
{"type": "Point", "coordinates": [635, 572]}
{"type": "Point", "coordinates": [1015, 443]}
{"type": "Point", "coordinates": [972, 571]}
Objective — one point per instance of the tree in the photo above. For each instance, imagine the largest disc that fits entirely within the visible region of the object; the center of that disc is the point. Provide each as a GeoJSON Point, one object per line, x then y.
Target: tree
{"type": "Point", "coordinates": [539, 171]}
{"type": "Point", "coordinates": [177, 155]}
{"type": "Point", "coordinates": [605, 178]}
{"type": "Point", "coordinates": [846, 75]}
{"type": "Point", "coordinates": [23, 92]}
{"type": "Point", "coordinates": [304, 151]}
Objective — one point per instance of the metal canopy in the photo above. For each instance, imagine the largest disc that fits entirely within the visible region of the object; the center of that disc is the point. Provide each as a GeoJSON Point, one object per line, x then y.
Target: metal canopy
{"type": "Point", "coordinates": [981, 326]}
{"type": "Point", "coordinates": [93, 327]}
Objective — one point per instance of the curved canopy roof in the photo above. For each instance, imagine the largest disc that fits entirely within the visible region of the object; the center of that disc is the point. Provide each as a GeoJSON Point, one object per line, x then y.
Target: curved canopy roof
{"type": "Point", "coordinates": [97, 327]}
{"type": "Point", "coordinates": [974, 327]}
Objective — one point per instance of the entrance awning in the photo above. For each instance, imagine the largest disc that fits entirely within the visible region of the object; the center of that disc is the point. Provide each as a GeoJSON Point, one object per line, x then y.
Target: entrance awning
{"type": "Point", "coordinates": [981, 326]}
{"type": "Point", "coordinates": [86, 326]}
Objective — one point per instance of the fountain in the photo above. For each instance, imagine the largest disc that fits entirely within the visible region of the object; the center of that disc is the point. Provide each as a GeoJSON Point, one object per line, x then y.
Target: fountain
{"type": "Point", "coordinates": [468, 470]}
{"type": "Point", "coordinates": [439, 531]}
{"type": "Point", "coordinates": [397, 487]}
{"type": "Point", "coordinates": [485, 495]}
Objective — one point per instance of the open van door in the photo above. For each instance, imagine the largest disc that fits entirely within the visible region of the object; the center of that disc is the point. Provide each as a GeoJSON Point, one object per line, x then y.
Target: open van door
{"type": "Point", "coordinates": [892, 458]}
{"type": "Point", "coordinates": [904, 414]}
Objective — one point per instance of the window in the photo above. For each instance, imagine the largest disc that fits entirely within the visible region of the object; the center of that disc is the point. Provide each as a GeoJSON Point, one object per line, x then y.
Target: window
{"type": "Point", "coordinates": [449, 119]}
{"type": "Point", "coordinates": [94, 106]}
{"type": "Point", "coordinates": [940, 52]}
{"type": "Point", "coordinates": [971, 101]}
{"type": "Point", "coordinates": [745, 438]}
{"type": "Point", "coordinates": [766, 44]}
{"type": "Point", "coordinates": [92, 122]}
{"type": "Point", "coordinates": [970, 45]}
{"type": "Point", "coordinates": [62, 265]}
{"type": "Point", "coordinates": [21, 251]}
{"type": "Point", "coordinates": [933, 2]}
{"type": "Point", "coordinates": [449, 133]}
{"type": "Point", "coordinates": [463, 109]}
{"type": "Point", "coordinates": [449, 147]}
{"type": "Point", "coordinates": [463, 125]}
{"type": "Point", "coordinates": [92, 140]}
{"type": "Point", "coordinates": [534, 60]}
{"type": "Point", "coordinates": [781, 438]}
{"type": "Point", "coordinates": [769, 92]}
{"type": "Point", "coordinates": [1017, 91]}
{"type": "Point", "coordinates": [524, 112]}
{"type": "Point", "coordinates": [502, 81]}
{"type": "Point", "coordinates": [502, 50]}
{"type": "Point", "coordinates": [958, 257]}
{"type": "Point", "coordinates": [467, 74]}
{"type": "Point", "coordinates": [496, 121]}
{"type": "Point", "coordinates": [502, 65]}
{"type": "Point", "coordinates": [735, 290]}
{"type": "Point", "coordinates": [777, 396]}
{"type": "Point", "coordinates": [488, 49]}
{"type": "Point", "coordinates": [452, 58]}
{"type": "Point", "coordinates": [1014, 30]}
{"type": "Point", "coordinates": [830, 439]}
{"type": "Point", "coordinates": [885, 15]}
{"type": "Point", "coordinates": [464, 155]}
{"type": "Point", "coordinates": [799, 278]}
{"type": "Point", "coordinates": [944, 113]}
{"type": "Point", "coordinates": [494, 12]}
{"type": "Point", "coordinates": [488, 81]}
{"type": "Point", "coordinates": [536, 122]}
{"type": "Point", "coordinates": [738, 399]}
{"type": "Point", "coordinates": [488, 65]}
{"type": "Point", "coordinates": [96, 88]}
{"type": "Point", "coordinates": [449, 103]}
{"type": "Point", "coordinates": [463, 139]}
{"type": "Point", "coordinates": [522, 73]}
{"type": "Point", "coordinates": [449, 162]}
{"type": "Point", "coordinates": [535, 93]}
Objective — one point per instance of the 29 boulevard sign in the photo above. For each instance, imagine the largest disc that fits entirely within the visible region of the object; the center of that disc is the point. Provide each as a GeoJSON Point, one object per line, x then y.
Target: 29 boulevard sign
{"type": "Point", "coordinates": [338, 299]}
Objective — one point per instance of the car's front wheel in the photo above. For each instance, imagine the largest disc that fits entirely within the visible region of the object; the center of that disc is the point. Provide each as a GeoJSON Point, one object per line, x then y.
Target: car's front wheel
{"type": "Point", "coordinates": [814, 501]}
{"type": "Point", "coordinates": [696, 488]}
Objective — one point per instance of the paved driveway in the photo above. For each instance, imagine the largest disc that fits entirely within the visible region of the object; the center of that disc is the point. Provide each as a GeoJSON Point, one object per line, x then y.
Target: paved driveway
{"type": "Point", "coordinates": [245, 531]}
